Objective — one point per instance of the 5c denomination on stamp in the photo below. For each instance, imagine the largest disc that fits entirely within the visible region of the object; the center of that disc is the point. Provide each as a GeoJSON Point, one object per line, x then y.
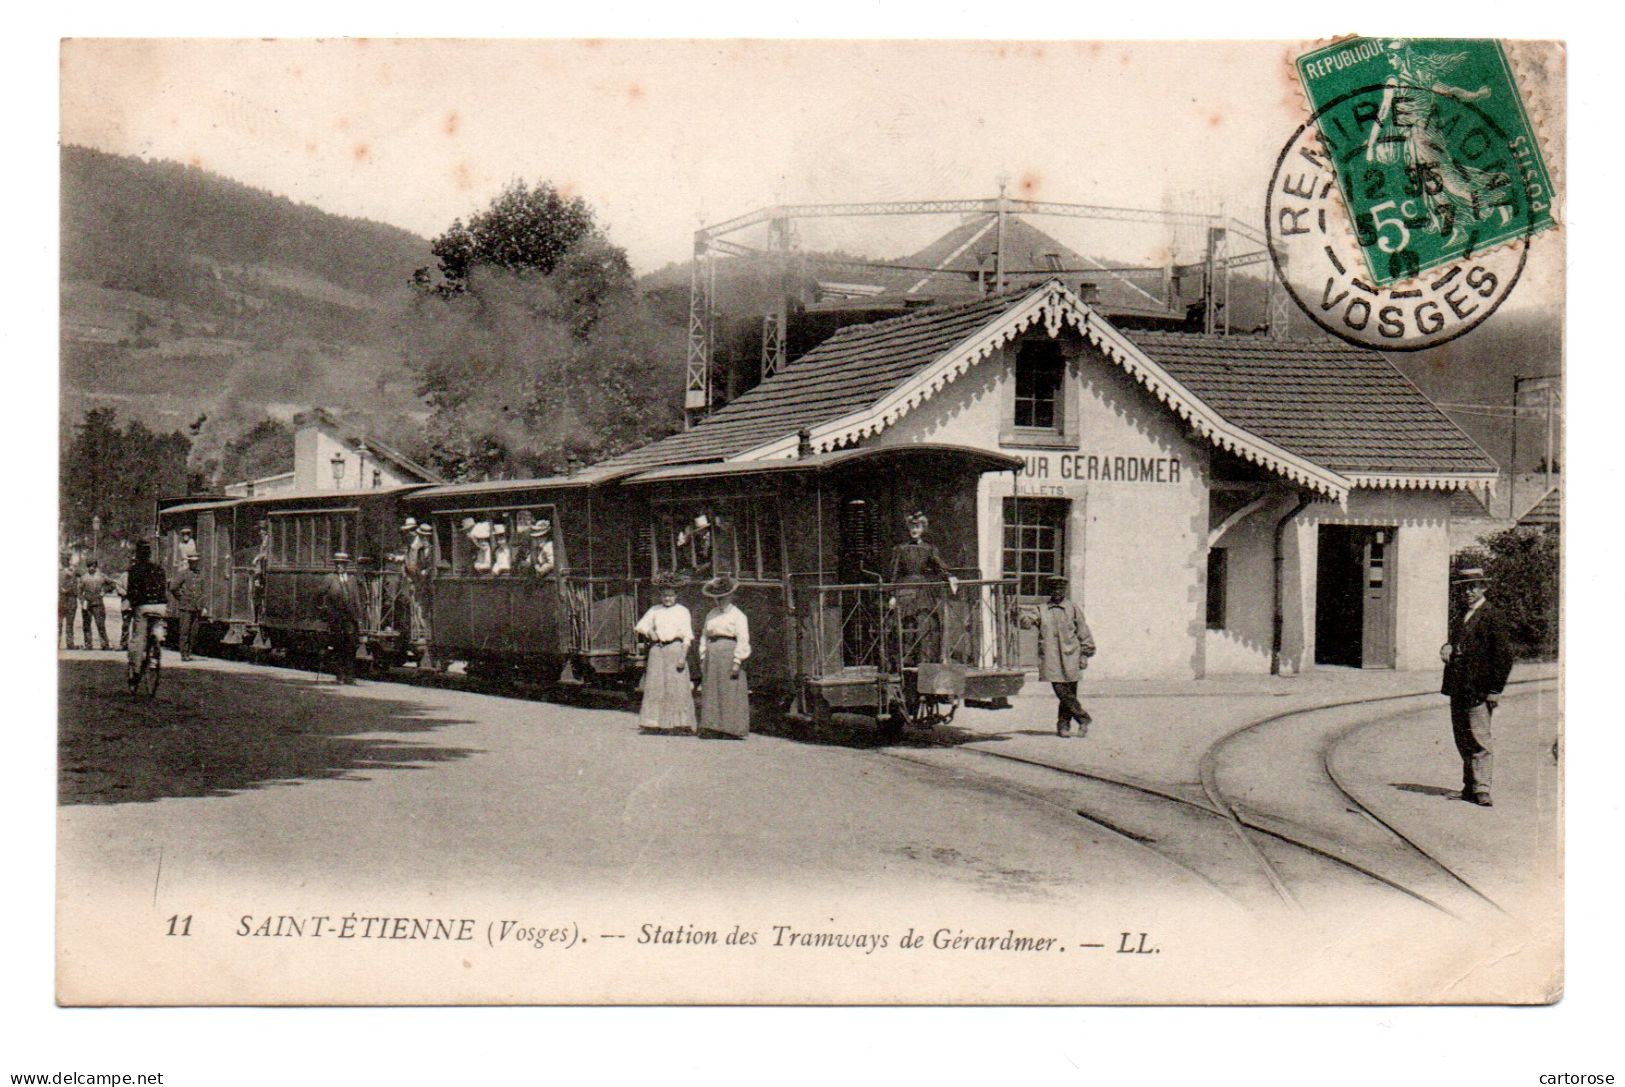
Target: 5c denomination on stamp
{"type": "Point", "coordinates": [1428, 263]}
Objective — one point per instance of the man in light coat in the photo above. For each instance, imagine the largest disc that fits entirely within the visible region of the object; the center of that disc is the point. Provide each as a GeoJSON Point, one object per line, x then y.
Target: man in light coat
{"type": "Point", "coordinates": [1064, 648]}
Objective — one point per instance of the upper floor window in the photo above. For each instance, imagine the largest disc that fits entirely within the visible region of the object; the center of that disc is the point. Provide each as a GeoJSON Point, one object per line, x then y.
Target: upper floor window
{"type": "Point", "coordinates": [1039, 372]}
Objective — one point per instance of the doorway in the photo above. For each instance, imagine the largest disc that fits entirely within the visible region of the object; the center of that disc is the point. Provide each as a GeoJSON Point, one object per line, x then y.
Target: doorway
{"type": "Point", "coordinates": [1354, 596]}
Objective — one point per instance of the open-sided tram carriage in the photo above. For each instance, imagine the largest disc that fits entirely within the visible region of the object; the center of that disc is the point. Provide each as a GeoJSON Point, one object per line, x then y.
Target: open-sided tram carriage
{"type": "Point", "coordinates": [808, 539]}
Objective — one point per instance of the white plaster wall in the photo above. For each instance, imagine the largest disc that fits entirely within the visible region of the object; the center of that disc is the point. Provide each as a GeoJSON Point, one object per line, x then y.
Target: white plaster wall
{"type": "Point", "coordinates": [1137, 549]}
{"type": "Point", "coordinates": [1422, 562]}
{"type": "Point", "coordinates": [313, 449]}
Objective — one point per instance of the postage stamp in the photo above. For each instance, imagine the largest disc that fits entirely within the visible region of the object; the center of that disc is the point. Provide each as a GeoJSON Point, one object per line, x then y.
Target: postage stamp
{"type": "Point", "coordinates": [1433, 150]}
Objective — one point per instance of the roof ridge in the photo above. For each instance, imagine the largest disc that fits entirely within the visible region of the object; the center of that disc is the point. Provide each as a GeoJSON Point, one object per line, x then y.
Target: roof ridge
{"type": "Point", "coordinates": [919, 313]}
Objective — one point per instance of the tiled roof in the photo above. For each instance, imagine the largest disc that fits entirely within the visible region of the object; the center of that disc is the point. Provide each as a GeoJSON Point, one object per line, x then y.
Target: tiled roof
{"type": "Point", "coordinates": [1465, 505]}
{"type": "Point", "coordinates": [1332, 406]}
{"type": "Point", "coordinates": [1548, 511]}
{"type": "Point", "coordinates": [847, 372]}
{"type": "Point", "coordinates": [1339, 406]}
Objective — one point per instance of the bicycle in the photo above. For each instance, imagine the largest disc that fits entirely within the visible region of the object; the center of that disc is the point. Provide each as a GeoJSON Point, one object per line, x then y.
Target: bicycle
{"type": "Point", "coordinates": [144, 677]}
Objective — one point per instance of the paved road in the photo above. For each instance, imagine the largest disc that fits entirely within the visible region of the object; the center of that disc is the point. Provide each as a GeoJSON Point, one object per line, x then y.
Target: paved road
{"type": "Point", "coordinates": [273, 775]}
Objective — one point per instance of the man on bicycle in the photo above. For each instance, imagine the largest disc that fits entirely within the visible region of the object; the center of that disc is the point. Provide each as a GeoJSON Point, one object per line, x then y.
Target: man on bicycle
{"type": "Point", "coordinates": [146, 585]}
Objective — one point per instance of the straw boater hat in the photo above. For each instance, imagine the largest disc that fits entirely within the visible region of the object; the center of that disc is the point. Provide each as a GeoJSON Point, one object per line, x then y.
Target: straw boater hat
{"type": "Point", "coordinates": [193, 557]}
{"type": "Point", "coordinates": [720, 586]}
{"type": "Point", "coordinates": [918, 517]}
{"type": "Point", "coordinates": [1469, 575]}
{"type": "Point", "coordinates": [409, 524]}
{"type": "Point", "coordinates": [341, 556]}
{"type": "Point", "coordinates": [499, 529]}
{"type": "Point", "coordinates": [541, 528]}
{"type": "Point", "coordinates": [667, 580]}
{"type": "Point", "coordinates": [425, 529]}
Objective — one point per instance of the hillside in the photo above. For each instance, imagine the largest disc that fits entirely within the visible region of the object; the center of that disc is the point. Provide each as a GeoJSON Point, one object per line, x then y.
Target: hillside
{"type": "Point", "coordinates": [184, 292]}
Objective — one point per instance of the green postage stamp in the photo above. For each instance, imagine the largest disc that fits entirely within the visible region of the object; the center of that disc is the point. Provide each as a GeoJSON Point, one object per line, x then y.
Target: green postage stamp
{"type": "Point", "coordinates": [1431, 146]}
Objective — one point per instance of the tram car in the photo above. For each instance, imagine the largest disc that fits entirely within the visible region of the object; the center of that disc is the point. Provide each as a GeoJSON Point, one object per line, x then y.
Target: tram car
{"type": "Point", "coordinates": [543, 580]}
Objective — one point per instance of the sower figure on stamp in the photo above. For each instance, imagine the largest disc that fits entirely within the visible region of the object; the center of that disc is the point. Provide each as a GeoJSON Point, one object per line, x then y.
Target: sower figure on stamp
{"type": "Point", "coordinates": [342, 608]}
{"type": "Point", "coordinates": [1477, 661]}
{"type": "Point", "coordinates": [1064, 648]}
{"type": "Point", "coordinates": [93, 588]}
{"type": "Point", "coordinates": [187, 592]}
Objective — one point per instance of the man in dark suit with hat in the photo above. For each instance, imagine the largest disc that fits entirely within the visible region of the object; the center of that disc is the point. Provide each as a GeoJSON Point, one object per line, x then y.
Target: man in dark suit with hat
{"type": "Point", "coordinates": [1477, 661]}
{"type": "Point", "coordinates": [343, 608]}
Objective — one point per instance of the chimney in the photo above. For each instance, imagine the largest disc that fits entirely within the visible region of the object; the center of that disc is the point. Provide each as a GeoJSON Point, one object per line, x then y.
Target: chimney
{"type": "Point", "coordinates": [804, 446]}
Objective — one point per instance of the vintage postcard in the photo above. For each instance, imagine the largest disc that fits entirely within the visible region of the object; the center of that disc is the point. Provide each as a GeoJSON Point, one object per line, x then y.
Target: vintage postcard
{"type": "Point", "coordinates": [828, 522]}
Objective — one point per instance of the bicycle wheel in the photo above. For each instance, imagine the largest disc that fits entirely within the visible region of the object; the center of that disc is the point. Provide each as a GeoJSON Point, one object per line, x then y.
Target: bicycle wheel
{"type": "Point", "coordinates": [151, 672]}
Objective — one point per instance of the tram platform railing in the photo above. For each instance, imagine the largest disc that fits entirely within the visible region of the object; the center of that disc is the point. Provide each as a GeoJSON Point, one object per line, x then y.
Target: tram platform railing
{"type": "Point", "coordinates": [888, 627]}
{"type": "Point", "coordinates": [600, 614]}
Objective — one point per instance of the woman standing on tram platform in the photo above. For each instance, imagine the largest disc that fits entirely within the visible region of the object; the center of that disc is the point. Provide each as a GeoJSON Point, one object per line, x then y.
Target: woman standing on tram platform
{"type": "Point", "coordinates": [724, 648]}
{"type": "Point", "coordinates": [668, 693]}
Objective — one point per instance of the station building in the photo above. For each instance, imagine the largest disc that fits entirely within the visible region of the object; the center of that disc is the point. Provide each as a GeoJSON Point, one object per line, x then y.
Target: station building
{"type": "Point", "coordinates": [1221, 504]}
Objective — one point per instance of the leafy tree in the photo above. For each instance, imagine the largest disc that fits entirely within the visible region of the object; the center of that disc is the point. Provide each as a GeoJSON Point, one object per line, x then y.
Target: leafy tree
{"type": "Point", "coordinates": [1524, 565]}
{"type": "Point", "coordinates": [525, 228]}
{"type": "Point", "coordinates": [117, 475]}
{"type": "Point", "coordinates": [265, 449]}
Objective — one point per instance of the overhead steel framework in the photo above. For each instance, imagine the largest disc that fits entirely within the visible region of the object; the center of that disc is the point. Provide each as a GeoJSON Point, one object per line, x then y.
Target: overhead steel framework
{"type": "Point", "coordinates": [1230, 244]}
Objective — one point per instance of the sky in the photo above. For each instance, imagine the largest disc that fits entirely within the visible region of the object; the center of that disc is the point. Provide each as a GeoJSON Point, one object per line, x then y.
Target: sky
{"type": "Point", "coordinates": [663, 137]}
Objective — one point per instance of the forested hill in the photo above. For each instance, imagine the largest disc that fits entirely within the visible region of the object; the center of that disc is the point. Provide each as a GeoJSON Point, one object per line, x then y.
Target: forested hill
{"type": "Point", "coordinates": [184, 292]}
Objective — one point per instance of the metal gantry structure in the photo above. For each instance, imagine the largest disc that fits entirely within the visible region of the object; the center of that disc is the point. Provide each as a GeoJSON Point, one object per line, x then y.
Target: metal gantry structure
{"type": "Point", "coordinates": [1230, 245]}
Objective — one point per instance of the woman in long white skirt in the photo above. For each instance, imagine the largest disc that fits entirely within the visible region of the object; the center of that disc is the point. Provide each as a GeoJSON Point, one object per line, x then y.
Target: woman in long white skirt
{"type": "Point", "coordinates": [668, 690]}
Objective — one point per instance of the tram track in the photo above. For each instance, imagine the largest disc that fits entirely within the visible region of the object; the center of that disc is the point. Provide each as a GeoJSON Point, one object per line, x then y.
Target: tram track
{"type": "Point", "coordinates": [1245, 825]}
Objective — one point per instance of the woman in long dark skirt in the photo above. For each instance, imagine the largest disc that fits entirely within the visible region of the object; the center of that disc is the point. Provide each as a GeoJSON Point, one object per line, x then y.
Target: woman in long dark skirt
{"type": "Point", "coordinates": [724, 648]}
{"type": "Point", "coordinates": [668, 692]}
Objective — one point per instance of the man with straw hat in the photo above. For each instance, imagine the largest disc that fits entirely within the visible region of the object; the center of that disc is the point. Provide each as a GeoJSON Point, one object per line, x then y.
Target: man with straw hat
{"type": "Point", "coordinates": [1477, 661]}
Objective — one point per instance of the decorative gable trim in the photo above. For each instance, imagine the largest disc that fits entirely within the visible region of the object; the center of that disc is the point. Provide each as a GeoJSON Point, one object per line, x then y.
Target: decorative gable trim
{"type": "Point", "coordinates": [1053, 305]}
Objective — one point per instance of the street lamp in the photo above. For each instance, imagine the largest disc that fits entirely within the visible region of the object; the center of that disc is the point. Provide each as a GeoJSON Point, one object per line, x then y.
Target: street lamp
{"type": "Point", "coordinates": [337, 462]}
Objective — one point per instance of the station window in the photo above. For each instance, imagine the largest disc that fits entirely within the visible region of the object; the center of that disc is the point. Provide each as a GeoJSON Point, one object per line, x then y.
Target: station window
{"type": "Point", "coordinates": [738, 536]}
{"type": "Point", "coordinates": [1218, 568]}
{"type": "Point", "coordinates": [1034, 542]}
{"type": "Point", "coordinates": [498, 542]}
{"type": "Point", "coordinates": [1039, 372]}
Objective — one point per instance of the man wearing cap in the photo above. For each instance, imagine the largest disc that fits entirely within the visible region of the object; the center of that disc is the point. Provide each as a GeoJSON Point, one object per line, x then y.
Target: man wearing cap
{"type": "Point", "coordinates": [340, 605]}
{"type": "Point", "coordinates": [145, 587]}
{"type": "Point", "coordinates": [1064, 648]}
{"type": "Point", "coordinates": [186, 592]}
{"type": "Point", "coordinates": [1477, 660]}
{"type": "Point", "coordinates": [93, 588]}
{"type": "Point", "coordinates": [541, 548]}
{"type": "Point", "coordinates": [420, 579]}
{"type": "Point", "coordinates": [185, 549]}
{"type": "Point", "coordinates": [67, 599]}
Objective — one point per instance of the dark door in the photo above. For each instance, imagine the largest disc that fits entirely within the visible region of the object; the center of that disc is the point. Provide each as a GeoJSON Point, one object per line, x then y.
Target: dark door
{"type": "Point", "coordinates": [1034, 550]}
{"type": "Point", "coordinates": [1354, 594]}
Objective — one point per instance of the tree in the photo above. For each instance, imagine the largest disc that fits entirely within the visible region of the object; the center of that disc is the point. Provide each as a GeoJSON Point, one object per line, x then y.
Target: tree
{"type": "Point", "coordinates": [116, 475]}
{"type": "Point", "coordinates": [522, 373]}
{"type": "Point", "coordinates": [535, 348]}
{"type": "Point", "coordinates": [264, 449]}
{"type": "Point", "coordinates": [525, 228]}
{"type": "Point", "coordinates": [1524, 567]}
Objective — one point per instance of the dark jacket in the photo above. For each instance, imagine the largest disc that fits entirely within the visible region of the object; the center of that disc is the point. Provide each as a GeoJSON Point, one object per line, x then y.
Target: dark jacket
{"type": "Point", "coordinates": [1480, 658]}
{"type": "Point", "coordinates": [146, 585]}
{"type": "Point", "coordinates": [341, 604]}
{"type": "Point", "coordinates": [187, 590]}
